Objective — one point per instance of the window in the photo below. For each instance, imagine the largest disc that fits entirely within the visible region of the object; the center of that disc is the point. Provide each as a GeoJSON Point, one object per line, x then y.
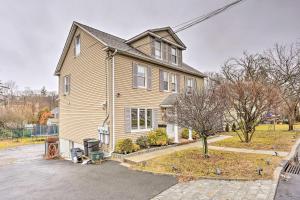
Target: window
{"type": "Point", "coordinates": [166, 81]}
{"type": "Point", "coordinates": [141, 76]}
{"type": "Point", "coordinates": [157, 49]}
{"type": "Point", "coordinates": [174, 55]}
{"type": "Point", "coordinates": [174, 83]}
{"type": "Point", "coordinates": [189, 85]}
{"type": "Point", "coordinates": [66, 85]}
{"type": "Point", "coordinates": [77, 45]}
{"type": "Point", "coordinates": [141, 119]}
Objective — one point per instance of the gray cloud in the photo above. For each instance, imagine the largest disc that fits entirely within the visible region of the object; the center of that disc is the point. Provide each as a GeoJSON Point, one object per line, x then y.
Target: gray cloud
{"type": "Point", "coordinates": [33, 32]}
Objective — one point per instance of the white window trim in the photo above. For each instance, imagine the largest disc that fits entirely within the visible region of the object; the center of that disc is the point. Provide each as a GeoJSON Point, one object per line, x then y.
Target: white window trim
{"type": "Point", "coordinates": [138, 120]}
{"type": "Point", "coordinates": [146, 77]}
{"type": "Point", "coordinates": [168, 81]}
{"type": "Point", "coordinates": [65, 84]}
{"type": "Point", "coordinates": [161, 57]}
{"type": "Point", "coordinates": [176, 54]}
{"type": "Point", "coordinates": [79, 49]}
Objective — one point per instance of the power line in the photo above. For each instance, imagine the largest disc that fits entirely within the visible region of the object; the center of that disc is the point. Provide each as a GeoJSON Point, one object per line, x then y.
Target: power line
{"type": "Point", "coordinates": [193, 22]}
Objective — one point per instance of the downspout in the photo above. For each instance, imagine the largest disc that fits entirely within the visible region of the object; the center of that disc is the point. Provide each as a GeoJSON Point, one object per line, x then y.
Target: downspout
{"type": "Point", "coordinates": [113, 99]}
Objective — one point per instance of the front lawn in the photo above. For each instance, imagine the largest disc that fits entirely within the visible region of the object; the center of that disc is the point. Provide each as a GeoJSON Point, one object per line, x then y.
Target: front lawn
{"type": "Point", "coordinates": [8, 143]}
{"type": "Point", "coordinates": [264, 138]}
{"type": "Point", "coordinates": [191, 164]}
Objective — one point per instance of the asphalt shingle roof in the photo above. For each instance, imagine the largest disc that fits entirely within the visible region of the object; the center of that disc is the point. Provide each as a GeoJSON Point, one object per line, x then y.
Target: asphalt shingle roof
{"type": "Point", "coordinates": [119, 43]}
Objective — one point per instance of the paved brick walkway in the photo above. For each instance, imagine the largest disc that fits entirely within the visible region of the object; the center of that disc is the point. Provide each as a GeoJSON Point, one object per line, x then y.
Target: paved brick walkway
{"type": "Point", "coordinates": [150, 155]}
{"type": "Point", "coordinates": [206, 189]}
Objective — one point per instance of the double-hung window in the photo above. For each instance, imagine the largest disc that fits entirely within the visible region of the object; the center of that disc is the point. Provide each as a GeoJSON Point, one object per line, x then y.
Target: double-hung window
{"type": "Point", "coordinates": [174, 83]}
{"type": "Point", "coordinates": [165, 81]}
{"type": "Point", "coordinates": [157, 49]}
{"type": "Point", "coordinates": [66, 85]}
{"type": "Point", "coordinates": [141, 76]}
{"type": "Point", "coordinates": [174, 57]}
{"type": "Point", "coordinates": [141, 119]}
{"type": "Point", "coordinates": [189, 84]}
{"type": "Point", "coordinates": [77, 45]}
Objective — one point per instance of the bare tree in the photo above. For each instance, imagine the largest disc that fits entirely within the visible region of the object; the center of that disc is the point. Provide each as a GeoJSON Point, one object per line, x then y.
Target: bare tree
{"type": "Point", "coordinates": [247, 93]}
{"type": "Point", "coordinates": [200, 111]}
{"type": "Point", "coordinates": [284, 73]}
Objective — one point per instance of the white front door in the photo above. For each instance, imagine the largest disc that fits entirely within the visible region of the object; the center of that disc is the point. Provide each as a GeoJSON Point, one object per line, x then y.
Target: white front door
{"type": "Point", "coordinates": [172, 131]}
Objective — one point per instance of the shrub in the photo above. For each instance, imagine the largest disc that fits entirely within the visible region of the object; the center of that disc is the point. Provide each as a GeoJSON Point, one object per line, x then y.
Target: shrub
{"type": "Point", "coordinates": [227, 128]}
{"type": "Point", "coordinates": [126, 146]}
{"type": "Point", "coordinates": [158, 137]}
{"type": "Point", "coordinates": [185, 134]}
{"type": "Point", "coordinates": [142, 141]}
{"type": "Point", "coordinates": [233, 128]}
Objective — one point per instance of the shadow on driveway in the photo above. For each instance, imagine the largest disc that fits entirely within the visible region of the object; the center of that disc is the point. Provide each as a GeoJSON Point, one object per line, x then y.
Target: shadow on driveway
{"type": "Point", "coordinates": [58, 179]}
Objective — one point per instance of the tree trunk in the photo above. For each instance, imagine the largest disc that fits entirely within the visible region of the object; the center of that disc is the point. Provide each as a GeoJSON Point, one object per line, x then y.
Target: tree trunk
{"type": "Point", "coordinates": [291, 123]}
{"type": "Point", "coordinates": [205, 147]}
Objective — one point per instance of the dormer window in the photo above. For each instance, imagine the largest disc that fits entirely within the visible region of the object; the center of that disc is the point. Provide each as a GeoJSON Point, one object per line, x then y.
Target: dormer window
{"type": "Point", "coordinates": [174, 57]}
{"type": "Point", "coordinates": [157, 49]}
{"type": "Point", "coordinates": [77, 45]}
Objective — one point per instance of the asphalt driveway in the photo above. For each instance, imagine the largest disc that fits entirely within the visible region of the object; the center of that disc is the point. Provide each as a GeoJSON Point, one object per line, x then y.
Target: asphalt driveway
{"type": "Point", "coordinates": [25, 175]}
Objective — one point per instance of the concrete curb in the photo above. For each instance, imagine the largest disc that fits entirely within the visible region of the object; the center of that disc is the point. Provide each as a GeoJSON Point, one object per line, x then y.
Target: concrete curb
{"type": "Point", "coordinates": [278, 170]}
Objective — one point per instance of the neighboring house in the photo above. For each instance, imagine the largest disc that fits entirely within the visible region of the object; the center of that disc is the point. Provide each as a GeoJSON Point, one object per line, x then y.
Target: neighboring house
{"type": "Point", "coordinates": [121, 85]}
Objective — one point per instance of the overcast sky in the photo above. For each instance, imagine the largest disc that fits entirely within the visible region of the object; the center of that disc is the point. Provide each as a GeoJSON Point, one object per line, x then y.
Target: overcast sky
{"type": "Point", "coordinates": [33, 32]}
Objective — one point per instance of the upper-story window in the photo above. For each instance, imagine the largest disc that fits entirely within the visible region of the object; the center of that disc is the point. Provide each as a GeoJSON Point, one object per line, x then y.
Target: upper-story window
{"type": "Point", "coordinates": [141, 76]}
{"type": "Point", "coordinates": [174, 83]}
{"type": "Point", "coordinates": [66, 85]}
{"type": "Point", "coordinates": [189, 84]}
{"type": "Point", "coordinates": [77, 45]}
{"type": "Point", "coordinates": [157, 49]}
{"type": "Point", "coordinates": [165, 81]}
{"type": "Point", "coordinates": [174, 57]}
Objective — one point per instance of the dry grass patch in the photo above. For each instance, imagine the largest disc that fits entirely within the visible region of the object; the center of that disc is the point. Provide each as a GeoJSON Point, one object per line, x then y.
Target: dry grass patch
{"type": "Point", "coordinates": [8, 143]}
{"type": "Point", "coordinates": [265, 138]}
{"type": "Point", "coordinates": [191, 163]}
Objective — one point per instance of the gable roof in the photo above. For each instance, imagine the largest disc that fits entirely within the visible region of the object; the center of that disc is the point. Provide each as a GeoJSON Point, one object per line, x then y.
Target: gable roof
{"type": "Point", "coordinates": [119, 44]}
{"type": "Point", "coordinates": [152, 32]}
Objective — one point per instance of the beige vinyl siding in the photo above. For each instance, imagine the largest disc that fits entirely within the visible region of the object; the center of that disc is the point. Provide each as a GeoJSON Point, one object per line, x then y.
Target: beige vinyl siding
{"type": "Point", "coordinates": [138, 98]}
{"type": "Point", "coordinates": [145, 45]}
{"type": "Point", "coordinates": [81, 111]}
{"type": "Point", "coordinates": [166, 36]}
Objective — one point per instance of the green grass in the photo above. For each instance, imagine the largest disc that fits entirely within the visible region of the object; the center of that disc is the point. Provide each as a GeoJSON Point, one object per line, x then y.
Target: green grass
{"type": "Point", "coordinates": [190, 164]}
{"type": "Point", "coordinates": [8, 143]}
{"type": "Point", "coordinates": [264, 138]}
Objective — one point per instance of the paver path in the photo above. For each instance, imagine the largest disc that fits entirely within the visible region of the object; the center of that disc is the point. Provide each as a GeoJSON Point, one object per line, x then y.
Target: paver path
{"type": "Point", "coordinates": [241, 150]}
{"type": "Point", "coordinates": [206, 189]}
{"type": "Point", "coordinates": [150, 155]}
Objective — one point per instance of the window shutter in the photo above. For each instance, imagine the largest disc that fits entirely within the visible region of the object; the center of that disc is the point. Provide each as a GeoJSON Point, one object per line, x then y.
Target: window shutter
{"type": "Point", "coordinates": [149, 78]}
{"type": "Point", "coordinates": [161, 80]}
{"type": "Point", "coordinates": [164, 51]}
{"type": "Point", "coordinates": [155, 118]}
{"type": "Point", "coordinates": [127, 120]}
{"type": "Point", "coordinates": [179, 57]}
{"type": "Point", "coordinates": [169, 53]}
{"type": "Point", "coordinates": [178, 82]}
{"type": "Point", "coordinates": [152, 46]}
{"type": "Point", "coordinates": [134, 75]}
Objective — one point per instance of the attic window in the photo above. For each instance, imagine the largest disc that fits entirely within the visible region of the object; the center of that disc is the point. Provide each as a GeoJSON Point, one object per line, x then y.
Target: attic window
{"type": "Point", "coordinates": [77, 45]}
{"type": "Point", "coordinates": [157, 49]}
{"type": "Point", "coordinates": [174, 58]}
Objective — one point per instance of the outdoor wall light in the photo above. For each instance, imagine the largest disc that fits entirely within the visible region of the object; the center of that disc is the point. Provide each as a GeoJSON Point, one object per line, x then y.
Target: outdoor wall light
{"type": "Point", "coordinates": [259, 171]}
{"type": "Point", "coordinates": [118, 94]}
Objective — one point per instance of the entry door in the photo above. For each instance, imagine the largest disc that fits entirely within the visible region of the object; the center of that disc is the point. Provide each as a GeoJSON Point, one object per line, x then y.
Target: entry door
{"type": "Point", "coordinates": [170, 130]}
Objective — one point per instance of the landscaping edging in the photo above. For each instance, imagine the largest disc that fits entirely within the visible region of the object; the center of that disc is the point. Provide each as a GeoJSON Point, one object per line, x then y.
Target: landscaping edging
{"type": "Point", "coordinates": [123, 156]}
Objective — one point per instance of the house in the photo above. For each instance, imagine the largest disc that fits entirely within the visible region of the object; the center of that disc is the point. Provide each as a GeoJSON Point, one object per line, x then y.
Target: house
{"type": "Point", "coordinates": [119, 87]}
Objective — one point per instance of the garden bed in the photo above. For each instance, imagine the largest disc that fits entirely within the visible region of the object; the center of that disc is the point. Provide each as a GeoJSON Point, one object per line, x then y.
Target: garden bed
{"type": "Point", "coordinates": [190, 164]}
